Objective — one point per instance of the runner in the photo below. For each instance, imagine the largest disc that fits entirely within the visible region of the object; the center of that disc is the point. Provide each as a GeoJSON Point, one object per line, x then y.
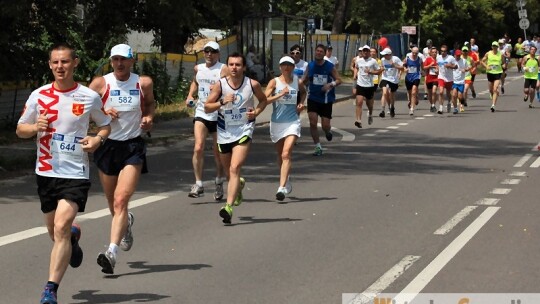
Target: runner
{"type": "Point", "coordinates": [206, 74]}
{"type": "Point", "coordinates": [323, 78]}
{"type": "Point", "coordinates": [447, 64]}
{"type": "Point", "coordinates": [493, 62]}
{"type": "Point", "coordinates": [366, 70]}
{"type": "Point", "coordinates": [299, 64]}
{"type": "Point", "coordinates": [426, 52]}
{"type": "Point", "coordinates": [353, 69]}
{"type": "Point", "coordinates": [431, 70]}
{"type": "Point", "coordinates": [59, 115]}
{"type": "Point", "coordinates": [413, 63]}
{"type": "Point", "coordinates": [472, 58]}
{"type": "Point", "coordinates": [458, 86]}
{"type": "Point", "coordinates": [391, 69]}
{"type": "Point", "coordinates": [506, 50]}
{"type": "Point", "coordinates": [287, 95]}
{"type": "Point", "coordinates": [233, 97]}
{"type": "Point", "coordinates": [330, 57]}
{"type": "Point", "coordinates": [531, 75]}
{"type": "Point", "coordinates": [519, 47]}
{"type": "Point", "coordinates": [129, 100]}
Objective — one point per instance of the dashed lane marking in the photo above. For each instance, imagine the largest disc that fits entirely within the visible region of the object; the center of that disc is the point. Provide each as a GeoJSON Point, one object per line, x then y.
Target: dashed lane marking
{"type": "Point", "coordinates": [488, 201]}
{"type": "Point", "coordinates": [523, 160]}
{"type": "Point", "coordinates": [456, 219]}
{"type": "Point", "coordinates": [511, 181]}
{"type": "Point", "coordinates": [500, 191]}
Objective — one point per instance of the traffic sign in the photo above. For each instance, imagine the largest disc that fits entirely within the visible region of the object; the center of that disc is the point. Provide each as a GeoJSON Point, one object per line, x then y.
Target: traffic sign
{"type": "Point", "coordinates": [411, 30]}
{"type": "Point", "coordinates": [521, 3]}
{"type": "Point", "coordinates": [522, 13]}
{"type": "Point", "coordinates": [524, 23]}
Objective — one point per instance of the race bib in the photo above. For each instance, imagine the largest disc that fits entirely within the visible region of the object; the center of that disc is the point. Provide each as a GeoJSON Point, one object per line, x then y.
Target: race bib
{"type": "Point", "coordinates": [236, 117]}
{"type": "Point", "coordinates": [413, 69]}
{"type": "Point", "coordinates": [289, 98]}
{"type": "Point", "coordinates": [124, 103]}
{"type": "Point", "coordinates": [320, 79]}
{"type": "Point", "coordinates": [432, 71]}
{"type": "Point", "coordinates": [493, 66]}
{"type": "Point", "coordinates": [67, 148]}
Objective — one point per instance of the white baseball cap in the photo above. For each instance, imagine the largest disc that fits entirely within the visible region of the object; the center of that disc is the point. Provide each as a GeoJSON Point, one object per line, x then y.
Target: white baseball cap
{"type": "Point", "coordinates": [211, 44]}
{"type": "Point", "coordinates": [364, 47]}
{"type": "Point", "coordinates": [123, 50]}
{"type": "Point", "coordinates": [286, 59]}
{"type": "Point", "coordinates": [386, 51]}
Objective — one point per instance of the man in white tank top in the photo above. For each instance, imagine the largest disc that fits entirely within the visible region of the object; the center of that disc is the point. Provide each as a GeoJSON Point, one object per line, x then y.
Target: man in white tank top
{"type": "Point", "coordinates": [206, 74]}
{"type": "Point", "coordinates": [129, 100]}
{"type": "Point", "coordinates": [232, 97]}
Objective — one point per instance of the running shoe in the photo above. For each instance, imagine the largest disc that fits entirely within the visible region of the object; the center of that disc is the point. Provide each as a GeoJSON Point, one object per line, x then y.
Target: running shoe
{"type": "Point", "coordinates": [107, 261]}
{"type": "Point", "coordinates": [239, 198]}
{"type": "Point", "coordinates": [433, 109]}
{"type": "Point", "coordinates": [76, 251]}
{"type": "Point", "coordinates": [461, 108]}
{"type": "Point", "coordinates": [411, 112]}
{"type": "Point", "coordinates": [288, 185]}
{"type": "Point", "coordinates": [218, 194]}
{"type": "Point", "coordinates": [196, 191]}
{"type": "Point", "coordinates": [392, 112]}
{"type": "Point", "coordinates": [525, 98]}
{"type": "Point", "coordinates": [48, 296]}
{"type": "Point", "coordinates": [439, 112]}
{"type": "Point", "coordinates": [127, 240]}
{"type": "Point", "coordinates": [226, 213]}
{"type": "Point", "coordinates": [358, 124]}
{"type": "Point", "coordinates": [318, 151]}
{"type": "Point", "coordinates": [455, 111]}
{"type": "Point", "coordinates": [329, 136]}
{"type": "Point", "coordinates": [381, 115]}
{"type": "Point", "coordinates": [425, 96]}
{"type": "Point", "coordinates": [492, 109]}
{"type": "Point", "coordinates": [531, 106]}
{"type": "Point", "coordinates": [502, 90]}
{"type": "Point", "coordinates": [448, 107]}
{"type": "Point", "coordinates": [280, 194]}
{"type": "Point", "coordinates": [369, 120]}
{"type": "Point", "coordinates": [465, 103]}
{"type": "Point", "coordinates": [473, 94]}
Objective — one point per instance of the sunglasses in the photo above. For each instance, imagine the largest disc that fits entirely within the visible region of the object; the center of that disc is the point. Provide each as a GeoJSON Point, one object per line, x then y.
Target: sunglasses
{"type": "Point", "coordinates": [296, 53]}
{"type": "Point", "coordinates": [211, 51]}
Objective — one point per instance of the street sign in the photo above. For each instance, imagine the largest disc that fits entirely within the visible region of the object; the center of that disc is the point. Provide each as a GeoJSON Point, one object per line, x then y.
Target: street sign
{"type": "Point", "coordinates": [522, 13]}
{"type": "Point", "coordinates": [521, 3]}
{"type": "Point", "coordinates": [524, 24]}
{"type": "Point", "coordinates": [411, 30]}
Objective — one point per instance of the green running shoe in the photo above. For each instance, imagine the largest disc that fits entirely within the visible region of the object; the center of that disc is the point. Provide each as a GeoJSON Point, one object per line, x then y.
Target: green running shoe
{"type": "Point", "coordinates": [239, 198]}
{"type": "Point", "coordinates": [226, 213]}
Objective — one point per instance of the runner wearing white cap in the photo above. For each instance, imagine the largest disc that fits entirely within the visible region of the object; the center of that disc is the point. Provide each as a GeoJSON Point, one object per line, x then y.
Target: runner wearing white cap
{"type": "Point", "coordinates": [366, 70]}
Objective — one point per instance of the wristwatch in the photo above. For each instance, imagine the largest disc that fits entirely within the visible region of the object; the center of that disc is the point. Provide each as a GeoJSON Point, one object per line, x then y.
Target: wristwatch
{"type": "Point", "coordinates": [101, 140]}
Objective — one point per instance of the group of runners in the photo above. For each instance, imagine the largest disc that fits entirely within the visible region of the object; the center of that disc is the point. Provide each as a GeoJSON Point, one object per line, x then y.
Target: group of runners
{"type": "Point", "coordinates": [121, 104]}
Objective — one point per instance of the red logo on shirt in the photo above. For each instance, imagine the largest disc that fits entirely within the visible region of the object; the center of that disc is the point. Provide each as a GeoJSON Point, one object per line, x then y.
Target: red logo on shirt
{"type": "Point", "coordinates": [77, 109]}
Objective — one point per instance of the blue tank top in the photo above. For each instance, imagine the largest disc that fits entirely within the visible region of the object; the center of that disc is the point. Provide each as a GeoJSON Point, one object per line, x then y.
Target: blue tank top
{"type": "Point", "coordinates": [413, 69]}
{"type": "Point", "coordinates": [284, 109]}
{"type": "Point", "coordinates": [320, 75]}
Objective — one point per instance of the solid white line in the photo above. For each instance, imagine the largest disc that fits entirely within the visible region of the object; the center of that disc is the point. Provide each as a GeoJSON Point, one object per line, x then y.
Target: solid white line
{"type": "Point", "coordinates": [426, 275]}
{"type": "Point", "coordinates": [385, 280]}
{"type": "Point", "coordinates": [500, 191]}
{"type": "Point", "coordinates": [19, 236]}
{"type": "Point", "coordinates": [518, 173]}
{"type": "Point", "coordinates": [523, 160]}
{"type": "Point", "coordinates": [382, 131]}
{"type": "Point", "coordinates": [536, 163]}
{"type": "Point", "coordinates": [488, 201]}
{"type": "Point", "coordinates": [454, 220]}
{"type": "Point", "coordinates": [392, 127]}
{"type": "Point", "coordinates": [403, 124]}
{"type": "Point", "coordinates": [512, 181]}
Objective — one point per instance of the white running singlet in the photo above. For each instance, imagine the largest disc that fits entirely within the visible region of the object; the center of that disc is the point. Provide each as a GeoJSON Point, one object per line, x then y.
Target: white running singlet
{"type": "Point", "coordinates": [232, 123]}
{"type": "Point", "coordinates": [206, 77]}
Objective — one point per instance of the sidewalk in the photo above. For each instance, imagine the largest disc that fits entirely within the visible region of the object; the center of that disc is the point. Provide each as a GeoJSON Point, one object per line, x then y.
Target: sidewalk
{"type": "Point", "coordinates": [184, 127]}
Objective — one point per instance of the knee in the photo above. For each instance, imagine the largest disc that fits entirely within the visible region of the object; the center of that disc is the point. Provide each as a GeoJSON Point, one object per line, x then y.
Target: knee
{"type": "Point", "coordinates": [121, 202]}
{"type": "Point", "coordinates": [285, 155]}
{"type": "Point", "coordinates": [62, 229]}
{"type": "Point", "coordinates": [234, 170]}
{"type": "Point", "coordinates": [198, 149]}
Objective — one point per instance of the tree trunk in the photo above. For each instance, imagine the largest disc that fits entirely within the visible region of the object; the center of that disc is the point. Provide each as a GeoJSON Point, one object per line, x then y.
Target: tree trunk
{"type": "Point", "coordinates": [339, 16]}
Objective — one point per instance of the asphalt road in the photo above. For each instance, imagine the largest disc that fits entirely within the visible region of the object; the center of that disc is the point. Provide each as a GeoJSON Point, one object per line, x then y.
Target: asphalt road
{"type": "Point", "coordinates": [428, 203]}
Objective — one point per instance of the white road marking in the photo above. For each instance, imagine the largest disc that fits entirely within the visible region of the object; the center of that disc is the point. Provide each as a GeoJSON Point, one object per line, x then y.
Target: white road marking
{"type": "Point", "coordinates": [500, 191]}
{"type": "Point", "coordinates": [488, 201]}
{"type": "Point", "coordinates": [385, 280]}
{"type": "Point", "coordinates": [26, 234]}
{"type": "Point", "coordinates": [382, 131]}
{"type": "Point", "coordinates": [403, 124]}
{"type": "Point", "coordinates": [518, 173]}
{"type": "Point", "coordinates": [420, 118]}
{"type": "Point", "coordinates": [369, 134]}
{"type": "Point", "coordinates": [522, 161]}
{"type": "Point", "coordinates": [511, 181]}
{"type": "Point", "coordinates": [448, 226]}
{"type": "Point", "coordinates": [392, 127]}
{"type": "Point", "coordinates": [345, 136]}
{"type": "Point", "coordinates": [536, 163]}
{"type": "Point", "coordinates": [426, 275]}
{"type": "Point", "coordinates": [428, 115]}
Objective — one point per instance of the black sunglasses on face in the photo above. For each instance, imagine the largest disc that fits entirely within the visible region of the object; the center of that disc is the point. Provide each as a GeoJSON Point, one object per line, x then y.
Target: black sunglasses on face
{"type": "Point", "coordinates": [296, 53]}
{"type": "Point", "coordinates": [211, 51]}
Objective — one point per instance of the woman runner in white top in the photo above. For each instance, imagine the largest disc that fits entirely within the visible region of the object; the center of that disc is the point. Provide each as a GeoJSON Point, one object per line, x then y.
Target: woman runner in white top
{"type": "Point", "coordinates": [287, 96]}
{"type": "Point", "coordinates": [233, 97]}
